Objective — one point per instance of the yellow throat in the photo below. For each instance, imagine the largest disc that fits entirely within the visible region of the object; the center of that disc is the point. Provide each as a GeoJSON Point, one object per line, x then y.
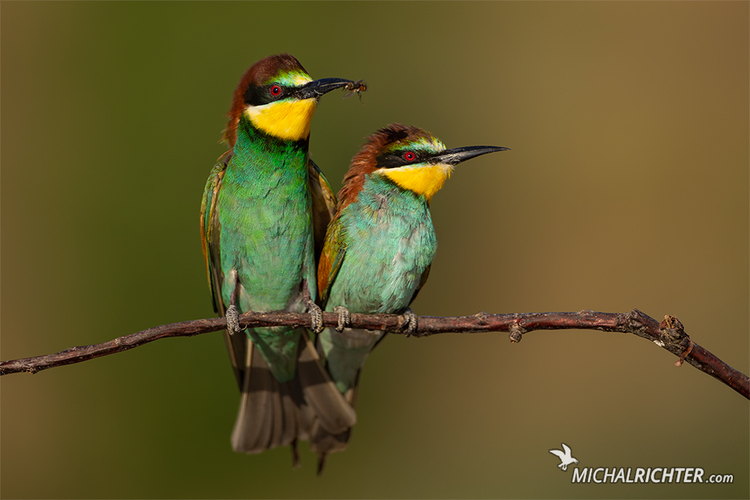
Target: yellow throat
{"type": "Point", "coordinates": [287, 120]}
{"type": "Point", "coordinates": [423, 180]}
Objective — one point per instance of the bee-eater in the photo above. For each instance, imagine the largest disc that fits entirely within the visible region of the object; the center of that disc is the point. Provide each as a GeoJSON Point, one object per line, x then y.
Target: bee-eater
{"type": "Point", "coordinates": [264, 204]}
{"type": "Point", "coordinates": [379, 246]}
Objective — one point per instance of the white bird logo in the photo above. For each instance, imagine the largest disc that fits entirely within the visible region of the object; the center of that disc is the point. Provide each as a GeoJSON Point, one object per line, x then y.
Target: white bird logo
{"type": "Point", "coordinates": [565, 457]}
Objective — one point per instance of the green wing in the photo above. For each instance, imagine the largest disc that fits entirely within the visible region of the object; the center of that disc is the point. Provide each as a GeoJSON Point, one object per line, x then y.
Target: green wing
{"type": "Point", "coordinates": [331, 258]}
{"type": "Point", "coordinates": [210, 238]}
{"type": "Point", "coordinates": [323, 205]}
{"type": "Point", "coordinates": [210, 230]}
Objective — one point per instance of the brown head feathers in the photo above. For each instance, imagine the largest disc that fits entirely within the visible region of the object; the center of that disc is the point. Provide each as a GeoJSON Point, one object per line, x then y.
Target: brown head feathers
{"type": "Point", "coordinates": [365, 162]}
{"type": "Point", "coordinates": [258, 74]}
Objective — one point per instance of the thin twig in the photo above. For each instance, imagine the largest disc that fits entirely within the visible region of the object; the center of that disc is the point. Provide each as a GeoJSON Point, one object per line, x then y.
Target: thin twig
{"type": "Point", "coordinates": [669, 334]}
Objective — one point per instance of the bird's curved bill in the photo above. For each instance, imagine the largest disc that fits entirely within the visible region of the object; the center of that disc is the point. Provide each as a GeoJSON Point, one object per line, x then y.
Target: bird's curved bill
{"type": "Point", "coordinates": [317, 88]}
{"type": "Point", "coordinates": [457, 155]}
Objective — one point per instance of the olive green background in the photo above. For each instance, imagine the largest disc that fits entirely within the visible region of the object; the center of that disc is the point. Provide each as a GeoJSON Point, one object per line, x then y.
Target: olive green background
{"type": "Point", "coordinates": [626, 187]}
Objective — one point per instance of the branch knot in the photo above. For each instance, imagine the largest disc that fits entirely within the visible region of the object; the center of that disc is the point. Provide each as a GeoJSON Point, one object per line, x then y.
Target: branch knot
{"type": "Point", "coordinates": [672, 333]}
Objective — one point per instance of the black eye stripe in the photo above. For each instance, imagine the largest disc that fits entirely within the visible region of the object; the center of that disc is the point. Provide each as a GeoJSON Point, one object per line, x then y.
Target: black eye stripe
{"type": "Point", "coordinates": [259, 95]}
{"type": "Point", "coordinates": [395, 159]}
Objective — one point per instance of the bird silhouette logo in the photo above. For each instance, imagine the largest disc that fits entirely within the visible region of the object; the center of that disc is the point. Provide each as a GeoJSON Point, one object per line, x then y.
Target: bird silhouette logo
{"type": "Point", "coordinates": [565, 456]}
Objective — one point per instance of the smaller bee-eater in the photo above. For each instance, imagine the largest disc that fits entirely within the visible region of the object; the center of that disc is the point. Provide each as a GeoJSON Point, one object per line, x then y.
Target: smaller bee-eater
{"type": "Point", "coordinates": [379, 247]}
{"type": "Point", "coordinates": [264, 206]}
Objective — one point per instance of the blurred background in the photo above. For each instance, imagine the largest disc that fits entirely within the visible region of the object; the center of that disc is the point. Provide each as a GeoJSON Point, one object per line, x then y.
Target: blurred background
{"type": "Point", "coordinates": [626, 187]}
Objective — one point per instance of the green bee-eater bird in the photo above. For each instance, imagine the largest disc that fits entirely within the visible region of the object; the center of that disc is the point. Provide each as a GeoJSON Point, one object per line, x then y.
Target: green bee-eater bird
{"type": "Point", "coordinates": [264, 204]}
{"type": "Point", "coordinates": [379, 246]}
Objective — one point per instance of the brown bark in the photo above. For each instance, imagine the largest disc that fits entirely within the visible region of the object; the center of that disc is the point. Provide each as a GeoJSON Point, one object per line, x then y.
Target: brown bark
{"type": "Point", "coordinates": [668, 334]}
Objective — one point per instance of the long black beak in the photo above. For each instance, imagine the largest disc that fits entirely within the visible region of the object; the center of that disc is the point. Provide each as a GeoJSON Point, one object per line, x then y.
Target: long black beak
{"type": "Point", "coordinates": [317, 88]}
{"type": "Point", "coordinates": [457, 155]}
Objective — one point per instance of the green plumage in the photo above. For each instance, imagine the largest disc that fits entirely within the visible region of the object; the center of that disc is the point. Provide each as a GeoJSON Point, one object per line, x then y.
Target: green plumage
{"type": "Point", "coordinates": [266, 237]}
{"type": "Point", "coordinates": [384, 243]}
{"type": "Point", "coordinates": [379, 246]}
{"type": "Point", "coordinates": [264, 205]}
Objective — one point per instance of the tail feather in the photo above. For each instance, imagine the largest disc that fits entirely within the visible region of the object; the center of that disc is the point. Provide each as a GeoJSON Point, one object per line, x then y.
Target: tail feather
{"type": "Point", "coordinates": [277, 418]}
{"type": "Point", "coordinates": [271, 412]}
{"type": "Point", "coordinates": [333, 412]}
{"type": "Point", "coordinates": [289, 409]}
{"type": "Point", "coordinates": [323, 442]}
{"type": "Point", "coordinates": [308, 407]}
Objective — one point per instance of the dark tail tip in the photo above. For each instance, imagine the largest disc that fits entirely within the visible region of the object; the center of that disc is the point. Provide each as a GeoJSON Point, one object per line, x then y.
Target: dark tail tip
{"type": "Point", "coordinates": [321, 462]}
{"type": "Point", "coordinates": [295, 455]}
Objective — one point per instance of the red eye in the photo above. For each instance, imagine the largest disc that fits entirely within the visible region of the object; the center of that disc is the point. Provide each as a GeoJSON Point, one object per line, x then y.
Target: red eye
{"type": "Point", "coordinates": [410, 156]}
{"type": "Point", "coordinates": [275, 90]}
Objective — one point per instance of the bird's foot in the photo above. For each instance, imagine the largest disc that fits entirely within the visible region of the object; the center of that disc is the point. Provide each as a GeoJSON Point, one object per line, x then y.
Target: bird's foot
{"type": "Point", "coordinates": [344, 317]}
{"type": "Point", "coordinates": [316, 317]}
{"type": "Point", "coordinates": [233, 320]}
{"type": "Point", "coordinates": [316, 313]}
{"type": "Point", "coordinates": [408, 322]}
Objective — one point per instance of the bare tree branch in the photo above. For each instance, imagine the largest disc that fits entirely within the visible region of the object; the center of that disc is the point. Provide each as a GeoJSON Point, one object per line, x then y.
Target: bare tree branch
{"type": "Point", "coordinates": [669, 334]}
